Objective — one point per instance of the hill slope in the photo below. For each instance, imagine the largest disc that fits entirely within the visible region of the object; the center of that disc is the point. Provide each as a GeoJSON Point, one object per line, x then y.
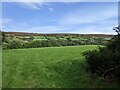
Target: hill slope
{"type": "Point", "coordinates": [57, 67]}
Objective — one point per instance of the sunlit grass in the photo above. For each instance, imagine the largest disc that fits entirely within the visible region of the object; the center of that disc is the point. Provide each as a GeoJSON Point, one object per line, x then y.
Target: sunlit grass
{"type": "Point", "coordinates": [57, 67]}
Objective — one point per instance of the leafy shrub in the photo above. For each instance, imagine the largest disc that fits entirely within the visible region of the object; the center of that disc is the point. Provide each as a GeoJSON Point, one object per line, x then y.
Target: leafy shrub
{"type": "Point", "coordinates": [5, 45]}
{"type": "Point", "coordinates": [54, 42]}
{"type": "Point", "coordinates": [15, 44]}
{"type": "Point", "coordinates": [35, 44]}
{"type": "Point", "coordinates": [46, 43]}
{"type": "Point", "coordinates": [106, 60]}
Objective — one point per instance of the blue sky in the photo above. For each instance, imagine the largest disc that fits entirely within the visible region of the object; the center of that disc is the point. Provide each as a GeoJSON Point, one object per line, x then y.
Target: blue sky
{"type": "Point", "coordinates": [60, 17]}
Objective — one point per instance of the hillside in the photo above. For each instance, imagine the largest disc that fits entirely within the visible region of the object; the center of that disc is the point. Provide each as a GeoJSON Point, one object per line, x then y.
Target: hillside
{"type": "Point", "coordinates": [13, 40]}
{"type": "Point", "coordinates": [57, 34]}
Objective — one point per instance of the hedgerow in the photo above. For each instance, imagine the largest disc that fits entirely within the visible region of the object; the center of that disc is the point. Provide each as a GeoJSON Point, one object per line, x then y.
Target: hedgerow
{"type": "Point", "coordinates": [105, 61]}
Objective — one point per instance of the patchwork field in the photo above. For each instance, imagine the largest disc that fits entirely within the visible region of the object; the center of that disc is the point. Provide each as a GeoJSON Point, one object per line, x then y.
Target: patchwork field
{"type": "Point", "coordinates": [53, 67]}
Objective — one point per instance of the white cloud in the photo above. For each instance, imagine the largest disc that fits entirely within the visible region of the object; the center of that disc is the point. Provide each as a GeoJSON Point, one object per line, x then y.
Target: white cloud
{"type": "Point", "coordinates": [45, 29]}
{"type": "Point", "coordinates": [32, 5]}
{"type": "Point", "coordinates": [0, 21]}
{"type": "Point", "coordinates": [90, 29]}
{"type": "Point", "coordinates": [22, 0]}
{"type": "Point", "coordinates": [51, 9]}
{"type": "Point", "coordinates": [36, 5]}
{"type": "Point", "coordinates": [60, 0]}
{"type": "Point", "coordinates": [95, 30]}
{"type": "Point", "coordinates": [90, 15]}
{"type": "Point", "coordinates": [101, 28]}
{"type": "Point", "coordinates": [67, 22]}
{"type": "Point", "coordinates": [6, 20]}
{"type": "Point", "coordinates": [24, 27]}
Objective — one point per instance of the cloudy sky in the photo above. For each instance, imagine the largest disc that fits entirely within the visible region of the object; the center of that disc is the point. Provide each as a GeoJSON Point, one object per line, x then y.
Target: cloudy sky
{"type": "Point", "coordinates": [60, 17]}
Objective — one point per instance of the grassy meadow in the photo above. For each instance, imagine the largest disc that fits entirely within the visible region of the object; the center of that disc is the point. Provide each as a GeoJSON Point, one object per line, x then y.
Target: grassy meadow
{"type": "Point", "coordinates": [53, 67]}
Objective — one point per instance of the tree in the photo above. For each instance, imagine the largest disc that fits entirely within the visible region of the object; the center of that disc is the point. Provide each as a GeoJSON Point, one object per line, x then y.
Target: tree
{"type": "Point", "coordinates": [15, 44]}
{"type": "Point", "coordinates": [105, 61]}
{"type": "Point", "coordinates": [69, 39]}
{"type": "Point", "coordinates": [117, 29]}
{"type": "Point", "coordinates": [3, 37]}
{"type": "Point", "coordinates": [36, 44]}
{"type": "Point", "coordinates": [31, 38]}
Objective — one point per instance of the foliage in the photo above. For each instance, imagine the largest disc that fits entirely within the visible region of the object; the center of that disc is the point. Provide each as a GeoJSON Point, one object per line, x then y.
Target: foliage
{"type": "Point", "coordinates": [69, 39]}
{"type": "Point", "coordinates": [105, 61]}
{"type": "Point", "coordinates": [35, 44]}
{"type": "Point", "coordinates": [31, 38]}
{"type": "Point", "coordinates": [5, 45]}
{"type": "Point", "coordinates": [15, 44]}
{"type": "Point", "coordinates": [3, 37]}
{"type": "Point", "coordinates": [31, 41]}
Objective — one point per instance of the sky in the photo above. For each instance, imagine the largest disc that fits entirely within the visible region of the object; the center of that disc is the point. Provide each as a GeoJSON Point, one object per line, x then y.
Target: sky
{"type": "Point", "coordinates": [60, 17]}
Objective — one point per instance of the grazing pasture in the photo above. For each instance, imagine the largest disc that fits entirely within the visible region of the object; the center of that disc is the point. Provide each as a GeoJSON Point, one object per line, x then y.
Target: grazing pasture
{"type": "Point", "coordinates": [51, 67]}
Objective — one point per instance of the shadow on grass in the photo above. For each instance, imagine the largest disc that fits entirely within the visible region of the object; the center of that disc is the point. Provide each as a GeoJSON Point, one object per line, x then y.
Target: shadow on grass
{"type": "Point", "coordinates": [73, 74]}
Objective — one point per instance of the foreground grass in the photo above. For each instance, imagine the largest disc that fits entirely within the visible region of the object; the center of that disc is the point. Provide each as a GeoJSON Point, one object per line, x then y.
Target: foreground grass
{"type": "Point", "coordinates": [57, 67]}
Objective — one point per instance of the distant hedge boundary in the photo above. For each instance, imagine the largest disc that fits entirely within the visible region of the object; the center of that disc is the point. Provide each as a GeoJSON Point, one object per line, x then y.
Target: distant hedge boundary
{"type": "Point", "coordinates": [15, 44]}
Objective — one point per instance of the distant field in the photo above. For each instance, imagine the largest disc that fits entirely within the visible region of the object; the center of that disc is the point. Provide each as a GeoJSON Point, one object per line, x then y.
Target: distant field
{"type": "Point", "coordinates": [54, 67]}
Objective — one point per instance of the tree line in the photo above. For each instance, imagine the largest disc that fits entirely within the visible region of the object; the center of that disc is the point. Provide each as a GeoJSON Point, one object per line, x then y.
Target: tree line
{"type": "Point", "coordinates": [16, 43]}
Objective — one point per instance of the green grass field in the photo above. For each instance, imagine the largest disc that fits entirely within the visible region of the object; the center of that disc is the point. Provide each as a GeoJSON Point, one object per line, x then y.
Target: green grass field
{"type": "Point", "coordinates": [53, 67]}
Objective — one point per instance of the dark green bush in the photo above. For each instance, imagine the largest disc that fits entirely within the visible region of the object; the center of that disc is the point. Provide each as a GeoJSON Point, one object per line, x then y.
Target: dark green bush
{"type": "Point", "coordinates": [106, 60]}
{"type": "Point", "coordinates": [35, 44]}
